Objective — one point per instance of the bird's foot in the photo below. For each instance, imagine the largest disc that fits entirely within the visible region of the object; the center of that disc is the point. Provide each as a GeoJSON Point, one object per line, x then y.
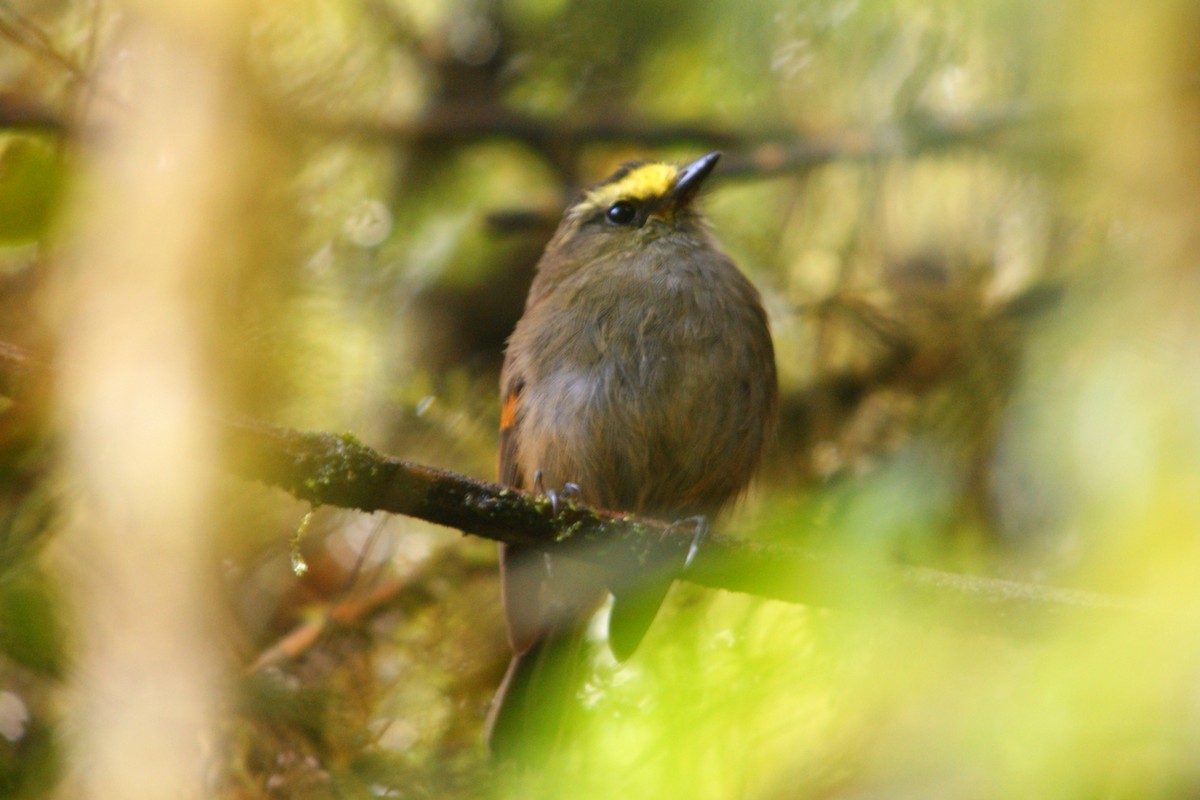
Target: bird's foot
{"type": "Point", "coordinates": [570, 492]}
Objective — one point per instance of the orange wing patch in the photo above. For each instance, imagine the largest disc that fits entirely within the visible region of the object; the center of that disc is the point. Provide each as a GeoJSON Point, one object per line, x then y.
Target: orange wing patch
{"type": "Point", "coordinates": [509, 471]}
{"type": "Point", "coordinates": [508, 413]}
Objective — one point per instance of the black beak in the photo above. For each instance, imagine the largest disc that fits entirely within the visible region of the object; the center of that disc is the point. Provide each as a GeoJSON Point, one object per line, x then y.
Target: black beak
{"type": "Point", "coordinates": [690, 177]}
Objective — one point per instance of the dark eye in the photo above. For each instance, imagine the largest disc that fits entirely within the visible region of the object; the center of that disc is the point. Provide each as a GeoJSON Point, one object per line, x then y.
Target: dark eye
{"type": "Point", "coordinates": [621, 213]}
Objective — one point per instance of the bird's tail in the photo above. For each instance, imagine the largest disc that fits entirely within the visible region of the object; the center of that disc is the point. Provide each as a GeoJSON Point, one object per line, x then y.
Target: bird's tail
{"type": "Point", "coordinates": [532, 710]}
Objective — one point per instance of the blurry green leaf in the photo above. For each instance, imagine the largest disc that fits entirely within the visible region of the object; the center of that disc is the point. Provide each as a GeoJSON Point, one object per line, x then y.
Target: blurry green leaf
{"type": "Point", "coordinates": [30, 766]}
{"type": "Point", "coordinates": [31, 183]}
{"type": "Point", "coordinates": [31, 630]}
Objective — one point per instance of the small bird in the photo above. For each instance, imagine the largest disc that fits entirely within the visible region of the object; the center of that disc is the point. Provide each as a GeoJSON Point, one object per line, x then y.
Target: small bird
{"type": "Point", "coordinates": [640, 378]}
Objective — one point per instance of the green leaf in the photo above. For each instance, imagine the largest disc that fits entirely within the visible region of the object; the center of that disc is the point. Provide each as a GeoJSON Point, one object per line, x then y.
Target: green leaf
{"type": "Point", "coordinates": [31, 630]}
{"type": "Point", "coordinates": [31, 183]}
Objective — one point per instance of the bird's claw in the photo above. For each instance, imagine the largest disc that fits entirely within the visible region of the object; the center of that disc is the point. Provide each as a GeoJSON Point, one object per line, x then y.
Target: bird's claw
{"type": "Point", "coordinates": [570, 491]}
{"type": "Point", "coordinates": [700, 530]}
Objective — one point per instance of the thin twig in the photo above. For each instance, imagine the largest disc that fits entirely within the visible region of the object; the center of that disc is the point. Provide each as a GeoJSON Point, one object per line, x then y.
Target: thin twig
{"type": "Point", "coordinates": [26, 34]}
{"type": "Point", "coordinates": [410, 592]}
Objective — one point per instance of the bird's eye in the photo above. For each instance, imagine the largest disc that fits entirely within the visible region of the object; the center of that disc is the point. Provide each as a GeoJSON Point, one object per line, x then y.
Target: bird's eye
{"type": "Point", "coordinates": [621, 213]}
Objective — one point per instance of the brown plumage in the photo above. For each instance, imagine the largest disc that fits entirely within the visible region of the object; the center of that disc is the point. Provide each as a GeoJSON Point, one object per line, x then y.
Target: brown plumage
{"type": "Point", "coordinates": [642, 371]}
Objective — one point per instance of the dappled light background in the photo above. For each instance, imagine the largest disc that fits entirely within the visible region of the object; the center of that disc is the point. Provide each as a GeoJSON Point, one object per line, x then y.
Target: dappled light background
{"type": "Point", "coordinates": [974, 227]}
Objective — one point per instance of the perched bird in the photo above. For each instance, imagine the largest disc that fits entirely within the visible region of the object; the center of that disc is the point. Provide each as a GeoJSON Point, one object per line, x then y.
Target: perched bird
{"type": "Point", "coordinates": [641, 378]}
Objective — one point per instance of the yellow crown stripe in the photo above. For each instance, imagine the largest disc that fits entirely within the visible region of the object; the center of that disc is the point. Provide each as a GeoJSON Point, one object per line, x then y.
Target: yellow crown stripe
{"type": "Point", "coordinates": [640, 183]}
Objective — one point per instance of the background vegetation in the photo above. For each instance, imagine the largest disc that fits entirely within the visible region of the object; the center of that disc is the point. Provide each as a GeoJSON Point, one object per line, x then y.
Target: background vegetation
{"type": "Point", "coordinates": [975, 228]}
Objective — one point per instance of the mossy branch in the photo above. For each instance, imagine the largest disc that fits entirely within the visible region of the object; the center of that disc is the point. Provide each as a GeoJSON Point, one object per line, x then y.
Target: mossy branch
{"type": "Point", "coordinates": [327, 469]}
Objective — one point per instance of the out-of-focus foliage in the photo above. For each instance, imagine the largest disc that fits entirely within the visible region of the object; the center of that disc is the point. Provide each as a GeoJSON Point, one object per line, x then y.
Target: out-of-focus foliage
{"type": "Point", "coordinates": [30, 186]}
{"type": "Point", "coordinates": [984, 301]}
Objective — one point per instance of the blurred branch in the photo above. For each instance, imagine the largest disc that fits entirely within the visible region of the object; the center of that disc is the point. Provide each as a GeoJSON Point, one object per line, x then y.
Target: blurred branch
{"type": "Point", "coordinates": [468, 122]}
{"type": "Point", "coordinates": [308, 632]}
{"type": "Point", "coordinates": [20, 112]}
{"type": "Point", "coordinates": [753, 153]}
{"type": "Point", "coordinates": [27, 35]}
{"type": "Point", "coordinates": [325, 469]}
{"type": "Point", "coordinates": [764, 154]}
{"type": "Point", "coordinates": [23, 377]}
{"type": "Point", "coordinates": [767, 149]}
{"type": "Point", "coordinates": [916, 135]}
{"type": "Point", "coordinates": [16, 362]}
{"type": "Point", "coordinates": [409, 592]}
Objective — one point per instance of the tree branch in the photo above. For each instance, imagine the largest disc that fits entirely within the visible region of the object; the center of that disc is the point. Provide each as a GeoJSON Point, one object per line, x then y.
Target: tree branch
{"type": "Point", "coordinates": [325, 469]}
{"type": "Point", "coordinates": [20, 113]}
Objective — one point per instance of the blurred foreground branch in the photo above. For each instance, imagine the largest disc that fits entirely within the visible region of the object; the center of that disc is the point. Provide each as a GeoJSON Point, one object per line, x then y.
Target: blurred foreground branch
{"type": "Point", "coordinates": [326, 469]}
{"type": "Point", "coordinates": [22, 113]}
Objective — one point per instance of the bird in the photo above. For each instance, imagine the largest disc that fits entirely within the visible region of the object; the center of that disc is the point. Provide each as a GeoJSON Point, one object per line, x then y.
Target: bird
{"type": "Point", "coordinates": [641, 377]}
